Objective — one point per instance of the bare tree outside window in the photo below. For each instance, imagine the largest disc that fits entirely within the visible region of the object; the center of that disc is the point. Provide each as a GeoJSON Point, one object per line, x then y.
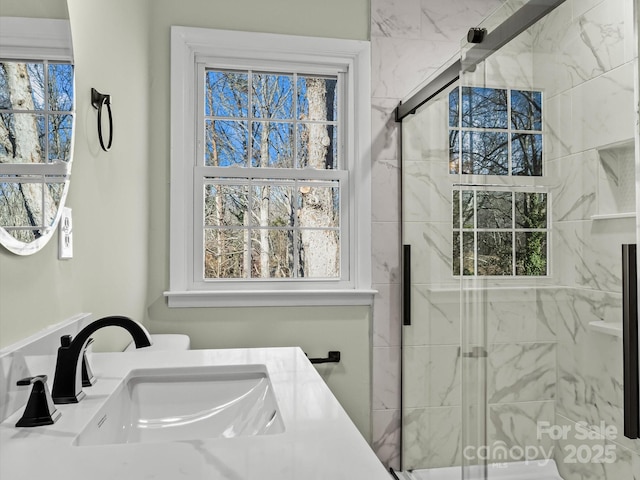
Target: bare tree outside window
{"type": "Point", "coordinates": [36, 101]}
{"type": "Point", "coordinates": [282, 227]}
{"type": "Point", "coordinates": [497, 232]}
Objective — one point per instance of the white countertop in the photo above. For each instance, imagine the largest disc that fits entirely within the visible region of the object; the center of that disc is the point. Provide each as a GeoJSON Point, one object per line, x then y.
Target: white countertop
{"type": "Point", "coordinates": [320, 441]}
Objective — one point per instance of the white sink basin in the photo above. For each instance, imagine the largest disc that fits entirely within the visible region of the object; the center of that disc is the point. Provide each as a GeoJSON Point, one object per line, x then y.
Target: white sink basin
{"type": "Point", "coordinates": [172, 404]}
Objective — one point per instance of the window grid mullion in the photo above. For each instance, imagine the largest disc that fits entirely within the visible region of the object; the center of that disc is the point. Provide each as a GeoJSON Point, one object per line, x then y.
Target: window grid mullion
{"type": "Point", "coordinates": [475, 233]}
{"type": "Point", "coordinates": [249, 221]}
{"type": "Point", "coordinates": [45, 88]}
{"type": "Point", "coordinates": [513, 230]}
{"type": "Point", "coordinates": [45, 160]}
{"type": "Point", "coordinates": [509, 135]}
{"type": "Point", "coordinates": [250, 118]}
{"type": "Point", "coordinates": [296, 226]}
{"type": "Point", "coordinates": [295, 120]}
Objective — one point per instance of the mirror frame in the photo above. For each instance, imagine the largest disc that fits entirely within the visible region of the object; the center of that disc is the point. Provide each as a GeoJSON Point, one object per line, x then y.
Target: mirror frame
{"type": "Point", "coordinates": [38, 39]}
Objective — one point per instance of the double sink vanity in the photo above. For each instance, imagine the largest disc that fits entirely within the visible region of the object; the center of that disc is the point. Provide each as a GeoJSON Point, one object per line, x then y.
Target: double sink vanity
{"type": "Point", "coordinates": [258, 413]}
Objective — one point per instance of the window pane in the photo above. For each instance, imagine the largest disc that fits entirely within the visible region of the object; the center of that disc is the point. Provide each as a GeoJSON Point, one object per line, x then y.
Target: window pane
{"type": "Point", "coordinates": [468, 254]}
{"type": "Point", "coordinates": [5, 98]}
{"type": "Point", "coordinates": [468, 209]}
{"type": "Point", "coordinates": [318, 253]}
{"type": "Point", "coordinates": [454, 107]}
{"type": "Point", "coordinates": [318, 206]}
{"type": "Point", "coordinates": [272, 96]}
{"type": "Point", "coordinates": [526, 154]}
{"type": "Point", "coordinates": [317, 146]}
{"type": "Point", "coordinates": [317, 98]}
{"type": "Point", "coordinates": [272, 144]}
{"type": "Point", "coordinates": [226, 143]}
{"type": "Point", "coordinates": [531, 210]}
{"type": "Point", "coordinates": [28, 146]}
{"type": "Point", "coordinates": [456, 208]}
{"type": "Point", "coordinates": [526, 110]}
{"type": "Point", "coordinates": [35, 72]}
{"type": "Point", "coordinates": [60, 87]}
{"type": "Point", "coordinates": [226, 94]}
{"type": "Point", "coordinates": [531, 253]}
{"type": "Point", "coordinates": [484, 107]}
{"type": "Point", "coordinates": [30, 203]}
{"type": "Point", "coordinates": [485, 153]}
{"type": "Point", "coordinates": [52, 201]}
{"type": "Point", "coordinates": [225, 205]}
{"type": "Point", "coordinates": [494, 209]}
{"type": "Point", "coordinates": [13, 207]}
{"type": "Point", "coordinates": [273, 205]}
{"type": "Point", "coordinates": [272, 253]}
{"type": "Point", "coordinates": [60, 135]}
{"type": "Point", "coordinates": [455, 253]}
{"type": "Point", "coordinates": [225, 253]}
{"type": "Point", "coordinates": [454, 151]}
{"type": "Point", "coordinates": [494, 253]}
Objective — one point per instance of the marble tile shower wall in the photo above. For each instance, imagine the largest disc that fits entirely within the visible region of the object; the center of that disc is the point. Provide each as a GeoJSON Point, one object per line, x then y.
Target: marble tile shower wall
{"type": "Point", "coordinates": [410, 40]}
{"type": "Point", "coordinates": [530, 377]}
{"type": "Point", "coordinates": [585, 59]}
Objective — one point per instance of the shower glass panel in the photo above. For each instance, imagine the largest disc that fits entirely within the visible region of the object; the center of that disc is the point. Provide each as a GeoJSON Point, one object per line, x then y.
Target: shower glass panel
{"type": "Point", "coordinates": [519, 190]}
{"type": "Point", "coordinates": [501, 254]}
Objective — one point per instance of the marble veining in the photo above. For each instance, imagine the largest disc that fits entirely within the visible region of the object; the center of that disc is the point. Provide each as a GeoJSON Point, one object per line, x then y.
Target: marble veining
{"type": "Point", "coordinates": [450, 21]}
{"type": "Point", "coordinates": [432, 437]}
{"type": "Point", "coordinates": [435, 318]}
{"type": "Point", "coordinates": [517, 424]}
{"type": "Point", "coordinates": [384, 132]}
{"type": "Point", "coordinates": [436, 376]}
{"type": "Point", "coordinates": [385, 254]}
{"type": "Point", "coordinates": [386, 375]}
{"type": "Point", "coordinates": [386, 433]}
{"type": "Point", "coordinates": [427, 191]}
{"type": "Point", "coordinates": [395, 18]}
{"type": "Point", "coordinates": [386, 317]}
{"type": "Point", "coordinates": [624, 464]}
{"type": "Point", "coordinates": [521, 372]}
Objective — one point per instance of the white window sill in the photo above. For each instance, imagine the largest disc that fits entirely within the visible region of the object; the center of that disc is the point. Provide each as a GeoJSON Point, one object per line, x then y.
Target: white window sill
{"type": "Point", "coordinates": [269, 298]}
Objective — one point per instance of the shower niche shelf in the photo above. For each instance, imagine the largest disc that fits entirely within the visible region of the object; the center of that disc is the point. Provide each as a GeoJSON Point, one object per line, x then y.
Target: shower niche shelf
{"type": "Point", "coordinates": [616, 182]}
{"type": "Point", "coordinates": [608, 328]}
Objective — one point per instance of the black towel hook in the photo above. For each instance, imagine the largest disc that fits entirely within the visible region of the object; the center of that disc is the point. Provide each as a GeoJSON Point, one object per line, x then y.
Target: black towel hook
{"type": "Point", "coordinates": [99, 100]}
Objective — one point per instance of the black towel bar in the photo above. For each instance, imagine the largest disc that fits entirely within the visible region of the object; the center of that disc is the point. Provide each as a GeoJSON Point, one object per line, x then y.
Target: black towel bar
{"type": "Point", "coordinates": [332, 357]}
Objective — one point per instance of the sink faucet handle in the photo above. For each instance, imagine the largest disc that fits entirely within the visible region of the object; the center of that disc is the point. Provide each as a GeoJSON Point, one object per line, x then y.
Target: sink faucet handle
{"type": "Point", "coordinates": [88, 378]}
{"type": "Point", "coordinates": [65, 341]}
{"type": "Point", "coordinates": [40, 409]}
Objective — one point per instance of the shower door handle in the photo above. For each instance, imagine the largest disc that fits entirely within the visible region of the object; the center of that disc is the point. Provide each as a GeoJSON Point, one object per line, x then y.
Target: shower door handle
{"type": "Point", "coordinates": [630, 341]}
{"type": "Point", "coordinates": [406, 284]}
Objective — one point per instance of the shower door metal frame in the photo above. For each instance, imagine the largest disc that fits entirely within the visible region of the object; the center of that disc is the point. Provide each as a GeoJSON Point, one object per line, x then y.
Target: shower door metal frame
{"type": "Point", "coordinates": [520, 21]}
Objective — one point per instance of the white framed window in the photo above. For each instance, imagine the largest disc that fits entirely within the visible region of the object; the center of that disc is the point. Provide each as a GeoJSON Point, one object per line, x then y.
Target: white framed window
{"type": "Point", "coordinates": [500, 229]}
{"type": "Point", "coordinates": [270, 170]}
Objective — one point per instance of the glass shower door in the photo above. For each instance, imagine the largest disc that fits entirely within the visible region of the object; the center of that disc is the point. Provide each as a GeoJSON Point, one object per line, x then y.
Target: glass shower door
{"type": "Point", "coordinates": [519, 190]}
{"type": "Point", "coordinates": [432, 421]}
{"type": "Point", "coordinates": [502, 233]}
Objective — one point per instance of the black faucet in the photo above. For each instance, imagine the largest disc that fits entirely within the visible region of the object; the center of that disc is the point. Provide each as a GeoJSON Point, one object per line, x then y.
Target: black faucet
{"type": "Point", "coordinates": [40, 410]}
{"type": "Point", "coordinates": [67, 383]}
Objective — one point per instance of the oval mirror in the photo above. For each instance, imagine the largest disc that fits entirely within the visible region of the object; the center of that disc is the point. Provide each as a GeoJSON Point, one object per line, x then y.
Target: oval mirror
{"type": "Point", "coordinates": [37, 116]}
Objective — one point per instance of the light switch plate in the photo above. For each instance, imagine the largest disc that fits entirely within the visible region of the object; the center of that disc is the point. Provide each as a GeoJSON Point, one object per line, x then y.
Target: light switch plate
{"type": "Point", "coordinates": [65, 235]}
